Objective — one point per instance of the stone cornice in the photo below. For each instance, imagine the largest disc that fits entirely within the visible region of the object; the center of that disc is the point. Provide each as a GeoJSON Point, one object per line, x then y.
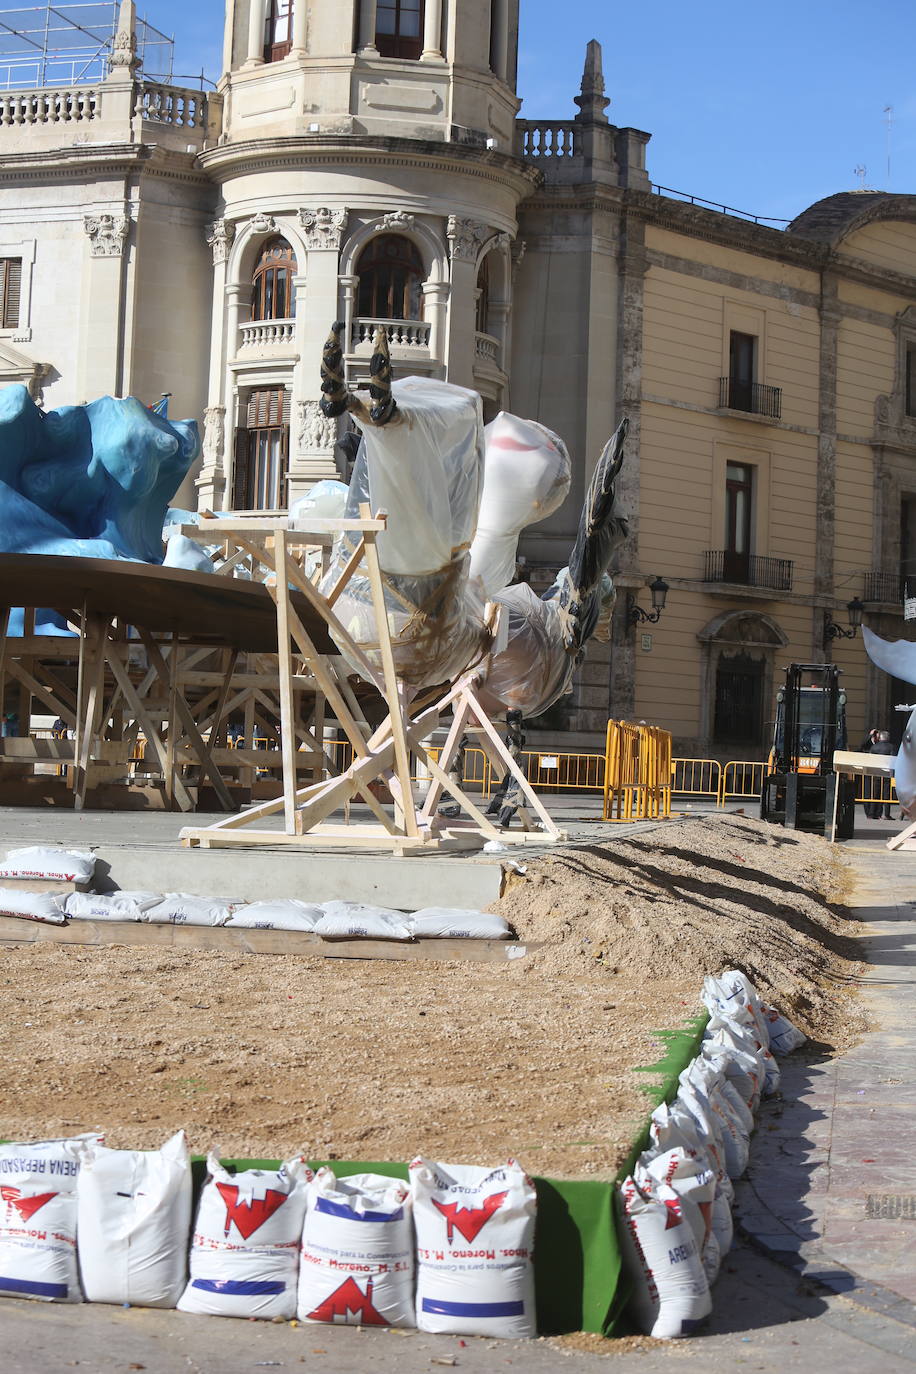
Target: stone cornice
{"type": "Point", "coordinates": [101, 160]}
{"type": "Point", "coordinates": [342, 150]}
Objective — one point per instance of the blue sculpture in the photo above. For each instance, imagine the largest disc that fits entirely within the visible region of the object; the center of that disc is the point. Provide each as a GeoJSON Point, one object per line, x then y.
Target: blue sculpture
{"type": "Point", "coordinates": [90, 481]}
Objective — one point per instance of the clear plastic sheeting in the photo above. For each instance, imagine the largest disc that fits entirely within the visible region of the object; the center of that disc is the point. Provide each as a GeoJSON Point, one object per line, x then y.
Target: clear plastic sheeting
{"type": "Point", "coordinates": [425, 470]}
{"type": "Point", "coordinates": [527, 473]}
{"type": "Point", "coordinates": [534, 669]}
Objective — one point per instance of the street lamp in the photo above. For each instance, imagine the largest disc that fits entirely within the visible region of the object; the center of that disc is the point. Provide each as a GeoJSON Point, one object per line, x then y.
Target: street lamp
{"type": "Point", "coordinates": [833, 631]}
{"type": "Point", "coordinates": [637, 616]}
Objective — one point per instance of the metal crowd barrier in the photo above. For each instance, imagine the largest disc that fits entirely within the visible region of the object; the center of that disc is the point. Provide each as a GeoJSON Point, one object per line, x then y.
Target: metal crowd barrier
{"type": "Point", "coordinates": [637, 775]}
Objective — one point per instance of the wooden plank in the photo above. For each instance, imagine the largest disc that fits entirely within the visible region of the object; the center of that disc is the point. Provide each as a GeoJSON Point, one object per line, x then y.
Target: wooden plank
{"type": "Point", "coordinates": [15, 930]}
{"type": "Point", "coordinates": [268, 524]}
{"type": "Point", "coordinates": [149, 729]}
{"type": "Point", "coordinates": [292, 817]}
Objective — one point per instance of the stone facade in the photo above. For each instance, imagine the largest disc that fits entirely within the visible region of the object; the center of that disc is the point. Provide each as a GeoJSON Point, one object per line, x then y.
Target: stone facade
{"type": "Point", "coordinates": [549, 275]}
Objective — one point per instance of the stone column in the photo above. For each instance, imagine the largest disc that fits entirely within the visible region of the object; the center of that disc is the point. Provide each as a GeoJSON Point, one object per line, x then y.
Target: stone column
{"type": "Point", "coordinates": [257, 18]}
{"type": "Point", "coordinates": [465, 237]}
{"type": "Point", "coordinates": [501, 38]}
{"type": "Point", "coordinates": [101, 346]}
{"type": "Point", "coordinates": [825, 516]}
{"type": "Point", "coordinates": [367, 27]}
{"type": "Point", "coordinates": [212, 479]}
{"type": "Point", "coordinates": [432, 32]}
{"type": "Point", "coordinates": [435, 310]}
{"type": "Point", "coordinates": [300, 26]}
{"type": "Point", "coordinates": [312, 436]}
{"type": "Point", "coordinates": [349, 293]}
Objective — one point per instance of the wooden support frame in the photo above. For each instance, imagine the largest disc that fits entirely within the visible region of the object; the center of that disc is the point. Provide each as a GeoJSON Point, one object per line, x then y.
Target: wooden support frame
{"type": "Point", "coordinates": [381, 756]}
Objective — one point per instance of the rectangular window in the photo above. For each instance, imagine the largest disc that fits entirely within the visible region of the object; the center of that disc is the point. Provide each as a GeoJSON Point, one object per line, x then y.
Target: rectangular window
{"type": "Point", "coordinates": [262, 448]}
{"type": "Point", "coordinates": [910, 379]}
{"type": "Point", "coordinates": [399, 28]}
{"type": "Point", "coordinates": [10, 289]}
{"type": "Point", "coordinates": [742, 363]}
{"type": "Point", "coordinates": [739, 497]}
{"type": "Point", "coordinates": [278, 32]}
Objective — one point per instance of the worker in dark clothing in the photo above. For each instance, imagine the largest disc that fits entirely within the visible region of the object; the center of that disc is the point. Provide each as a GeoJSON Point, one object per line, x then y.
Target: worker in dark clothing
{"type": "Point", "coordinates": [876, 808]}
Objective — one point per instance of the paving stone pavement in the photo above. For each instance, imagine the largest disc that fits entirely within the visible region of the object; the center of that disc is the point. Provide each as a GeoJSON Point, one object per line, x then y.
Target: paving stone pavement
{"type": "Point", "coordinates": [831, 1187]}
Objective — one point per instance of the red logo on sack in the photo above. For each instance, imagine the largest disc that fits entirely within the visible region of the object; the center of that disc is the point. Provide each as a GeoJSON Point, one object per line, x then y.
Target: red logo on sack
{"type": "Point", "coordinates": [349, 1301]}
{"type": "Point", "coordinates": [469, 1221]}
{"type": "Point", "coordinates": [674, 1215]}
{"type": "Point", "coordinates": [251, 1214]}
{"type": "Point", "coordinates": [25, 1206]}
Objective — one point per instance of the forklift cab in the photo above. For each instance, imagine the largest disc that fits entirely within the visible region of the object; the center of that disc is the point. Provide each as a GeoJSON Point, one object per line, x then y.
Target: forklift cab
{"type": "Point", "coordinates": [798, 791]}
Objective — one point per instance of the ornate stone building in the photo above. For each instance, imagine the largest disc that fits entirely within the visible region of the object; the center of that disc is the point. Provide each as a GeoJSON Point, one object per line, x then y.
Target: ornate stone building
{"type": "Point", "coordinates": [363, 160]}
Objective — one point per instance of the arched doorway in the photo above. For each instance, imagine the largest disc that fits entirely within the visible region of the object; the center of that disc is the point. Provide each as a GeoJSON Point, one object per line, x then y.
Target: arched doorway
{"type": "Point", "coordinates": [737, 699]}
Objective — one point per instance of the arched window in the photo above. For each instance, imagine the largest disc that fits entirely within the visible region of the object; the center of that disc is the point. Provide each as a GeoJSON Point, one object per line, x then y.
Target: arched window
{"type": "Point", "coordinates": [390, 275]}
{"type": "Point", "coordinates": [399, 28]}
{"type": "Point", "coordinates": [278, 29]}
{"type": "Point", "coordinates": [273, 296]}
{"type": "Point", "coordinates": [483, 296]}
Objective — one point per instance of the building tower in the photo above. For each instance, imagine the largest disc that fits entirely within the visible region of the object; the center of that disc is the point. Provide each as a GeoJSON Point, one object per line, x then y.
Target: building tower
{"type": "Point", "coordinates": [365, 173]}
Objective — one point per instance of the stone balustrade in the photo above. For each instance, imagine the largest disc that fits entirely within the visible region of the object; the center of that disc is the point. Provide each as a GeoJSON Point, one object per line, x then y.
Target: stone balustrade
{"type": "Point", "coordinates": [401, 333]}
{"type": "Point", "coordinates": [272, 334]}
{"type": "Point", "coordinates": [487, 349]}
{"type": "Point", "coordinates": [55, 105]}
{"type": "Point", "coordinates": [538, 139]}
{"type": "Point", "coordinates": [171, 105]}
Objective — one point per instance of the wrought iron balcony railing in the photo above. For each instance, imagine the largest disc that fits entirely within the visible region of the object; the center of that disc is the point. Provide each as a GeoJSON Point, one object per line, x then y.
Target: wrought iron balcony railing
{"type": "Point", "coordinates": [884, 586]}
{"type": "Point", "coordinates": [748, 569]}
{"type": "Point", "coordinates": [751, 397]}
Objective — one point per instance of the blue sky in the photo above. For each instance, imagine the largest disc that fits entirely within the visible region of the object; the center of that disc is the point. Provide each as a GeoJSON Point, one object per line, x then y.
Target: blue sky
{"type": "Point", "coordinates": [765, 108]}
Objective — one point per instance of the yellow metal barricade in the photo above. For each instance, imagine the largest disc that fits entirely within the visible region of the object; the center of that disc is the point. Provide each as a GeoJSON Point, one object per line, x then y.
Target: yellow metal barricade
{"type": "Point", "coordinates": [696, 778]}
{"type": "Point", "coordinates": [742, 778]}
{"type": "Point", "coordinates": [881, 791]}
{"type": "Point", "coordinates": [637, 773]}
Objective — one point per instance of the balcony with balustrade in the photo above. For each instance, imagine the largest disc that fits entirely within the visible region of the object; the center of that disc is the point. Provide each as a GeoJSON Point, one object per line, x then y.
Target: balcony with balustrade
{"type": "Point", "coordinates": [108, 112]}
{"type": "Point", "coordinates": [885, 588]}
{"type": "Point", "coordinates": [726, 566]}
{"type": "Point", "coordinates": [267, 338]}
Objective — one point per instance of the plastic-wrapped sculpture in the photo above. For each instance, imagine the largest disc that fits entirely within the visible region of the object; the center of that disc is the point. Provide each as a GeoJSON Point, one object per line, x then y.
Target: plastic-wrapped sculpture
{"type": "Point", "coordinates": [457, 497]}
{"type": "Point", "coordinates": [88, 481]}
{"type": "Point", "coordinates": [898, 657]}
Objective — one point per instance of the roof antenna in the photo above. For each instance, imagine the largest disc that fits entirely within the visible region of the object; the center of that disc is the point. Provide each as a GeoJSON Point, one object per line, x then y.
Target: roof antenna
{"type": "Point", "coordinates": [889, 120]}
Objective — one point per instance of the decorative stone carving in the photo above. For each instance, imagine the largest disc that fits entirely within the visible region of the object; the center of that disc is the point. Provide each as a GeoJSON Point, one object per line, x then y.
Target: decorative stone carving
{"type": "Point", "coordinates": [124, 53]}
{"type": "Point", "coordinates": [107, 234]}
{"type": "Point", "coordinates": [36, 383]}
{"type": "Point", "coordinates": [465, 237]}
{"type": "Point", "coordinates": [263, 224]}
{"type": "Point", "coordinates": [502, 242]}
{"type": "Point", "coordinates": [220, 235]}
{"type": "Point", "coordinates": [397, 222]}
{"type": "Point", "coordinates": [323, 227]}
{"type": "Point", "coordinates": [214, 436]}
{"type": "Point", "coordinates": [316, 431]}
{"type": "Point", "coordinates": [519, 248]}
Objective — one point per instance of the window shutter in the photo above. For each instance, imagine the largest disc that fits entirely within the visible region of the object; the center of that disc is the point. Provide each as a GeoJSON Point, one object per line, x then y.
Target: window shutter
{"type": "Point", "coordinates": [12, 289]}
{"type": "Point", "coordinates": [240, 471]}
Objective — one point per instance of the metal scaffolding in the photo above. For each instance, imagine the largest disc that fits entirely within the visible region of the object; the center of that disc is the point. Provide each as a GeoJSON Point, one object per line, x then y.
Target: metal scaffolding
{"type": "Point", "coordinates": [66, 45]}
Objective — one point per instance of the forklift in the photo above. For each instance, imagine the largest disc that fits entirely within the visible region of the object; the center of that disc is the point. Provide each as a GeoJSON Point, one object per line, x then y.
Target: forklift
{"type": "Point", "coordinates": [798, 791]}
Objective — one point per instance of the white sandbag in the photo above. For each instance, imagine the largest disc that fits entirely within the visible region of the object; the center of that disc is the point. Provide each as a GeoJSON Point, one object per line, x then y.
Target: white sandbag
{"type": "Point", "coordinates": [732, 994]}
{"type": "Point", "coordinates": [475, 1249]}
{"type": "Point", "coordinates": [134, 1215]}
{"type": "Point", "coordinates": [46, 1160]}
{"type": "Point", "coordinates": [722, 1225]}
{"type": "Point", "coordinates": [355, 920]}
{"type": "Point", "coordinates": [706, 1082]}
{"type": "Point", "coordinates": [279, 913]}
{"type": "Point", "coordinates": [356, 1265]}
{"type": "Point", "coordinates": [43, 861]}
{"type": "Point", "coordinates": [458, 924]}
{"type": "Point", "coordinates": [690, 1177]}
{"type": "Point", "coordinates": [784, 1036]}
{"type": "Point", "coordinates": [110, 906]}
{"type": "Point", "coordinates": [38, 1239]}
{"type": "Point", "coordinates": [526, 477]}
{"type": "Point", "coordinates": [245, 1248]}
{"type": "Point", "coordinates": [711, 1257]}
{"type": "Point", "coordinates": [181, 909]}
{"type": "Point", "coordinates": [670, 1296]}
{"type": "Point", "coordinates": [673, 1127]}
{"type": "Point", "coordinates": [735, 1047]}
{"type": "Point", "coordinates": [707, 1124]}
{"type": "Point", "coordinates": [34, 906]}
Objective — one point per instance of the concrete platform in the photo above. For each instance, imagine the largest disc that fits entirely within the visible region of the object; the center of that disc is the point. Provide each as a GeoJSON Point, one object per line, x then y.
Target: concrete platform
{"type": "Point", "coordinates": [141, 850]}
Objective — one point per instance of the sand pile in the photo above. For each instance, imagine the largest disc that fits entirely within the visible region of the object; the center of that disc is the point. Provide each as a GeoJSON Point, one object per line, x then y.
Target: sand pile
{"type": "Point", "coordinates": [470, 1062]}
{"type": "Point", "coordinates": [693, 897]}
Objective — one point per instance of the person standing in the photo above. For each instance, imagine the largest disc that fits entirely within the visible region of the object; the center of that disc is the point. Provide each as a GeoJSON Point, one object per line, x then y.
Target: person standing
{"type": "Point", "coordinates": [880, 745]}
